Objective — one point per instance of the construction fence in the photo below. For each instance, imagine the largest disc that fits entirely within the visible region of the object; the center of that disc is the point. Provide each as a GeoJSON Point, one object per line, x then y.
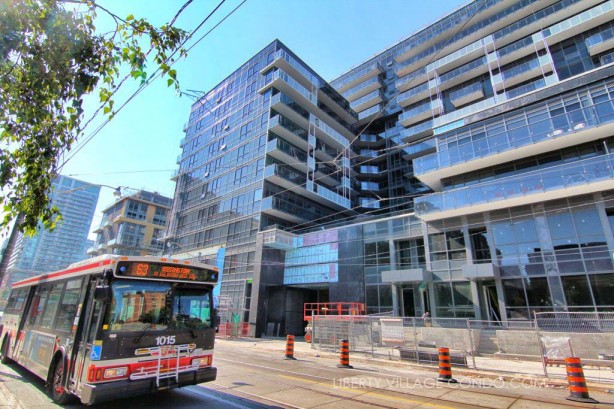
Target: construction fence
{"type": "Point", "coordinates": [535, 347]}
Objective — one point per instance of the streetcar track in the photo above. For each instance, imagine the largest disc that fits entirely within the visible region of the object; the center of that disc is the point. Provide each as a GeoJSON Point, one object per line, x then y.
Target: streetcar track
{"type": "Point", "coordinates": [479, 391]}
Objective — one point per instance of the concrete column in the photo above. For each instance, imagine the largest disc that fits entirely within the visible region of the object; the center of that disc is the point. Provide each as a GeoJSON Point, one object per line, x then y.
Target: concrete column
{"type": "Point", "coordinates": [395, 300]}
{"type": "Point", "coordinates": [475, 295]}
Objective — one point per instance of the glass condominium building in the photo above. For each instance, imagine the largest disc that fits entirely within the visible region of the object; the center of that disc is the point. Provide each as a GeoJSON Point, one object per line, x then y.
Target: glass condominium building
{"type": "Point", "coordinates": [54, 250]}
{"type": "Point", "coordinates": [467, 170]}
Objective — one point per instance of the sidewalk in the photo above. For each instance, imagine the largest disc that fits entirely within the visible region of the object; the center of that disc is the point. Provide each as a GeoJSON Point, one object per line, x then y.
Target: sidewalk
{"type": "Point", "coordinates": [518, 372]}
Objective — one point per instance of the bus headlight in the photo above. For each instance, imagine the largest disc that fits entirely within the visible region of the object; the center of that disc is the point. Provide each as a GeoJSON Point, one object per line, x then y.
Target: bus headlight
{"type": "Point", "coordinates": [115, 372]}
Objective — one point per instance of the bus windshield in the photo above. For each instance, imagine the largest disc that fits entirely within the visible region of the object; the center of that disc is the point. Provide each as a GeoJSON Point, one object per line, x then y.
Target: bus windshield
{"type": "Point", "coordinates": [156, 306]}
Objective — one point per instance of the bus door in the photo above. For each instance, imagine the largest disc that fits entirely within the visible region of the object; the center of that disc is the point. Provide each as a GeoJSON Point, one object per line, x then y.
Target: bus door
{"type": "Point", "coordinates": [85, 335]}
{"type": "Point", "coordinates": [15, 336]}
{"type": "Point", "coordinates": [32, 320]}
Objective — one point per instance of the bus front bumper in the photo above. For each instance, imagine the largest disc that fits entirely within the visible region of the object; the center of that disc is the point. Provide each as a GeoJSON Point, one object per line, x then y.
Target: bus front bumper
{"type": "Point", "coordinates": [123, 389]}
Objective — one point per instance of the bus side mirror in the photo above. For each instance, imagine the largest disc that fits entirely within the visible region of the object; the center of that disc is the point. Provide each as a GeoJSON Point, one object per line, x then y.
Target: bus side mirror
{"type": "Point", "coordinates": [102, 293]}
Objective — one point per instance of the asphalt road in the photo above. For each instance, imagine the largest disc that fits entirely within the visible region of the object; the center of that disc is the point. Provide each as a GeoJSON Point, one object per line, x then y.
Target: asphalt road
{"type": "Point", "coordinates": [252, 376]}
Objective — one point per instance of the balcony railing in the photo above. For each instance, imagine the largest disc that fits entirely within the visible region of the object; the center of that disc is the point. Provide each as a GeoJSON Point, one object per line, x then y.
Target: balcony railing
{"type": "Point", "coordinates": [294, 84]}
{"type": "Point", "coordinates": [360, 72]}
{"type": "Point", "coordinates": [356, 89]}
{"type": "Point", "coordinates": [464, 69]}
{"type": "Point", "coordinates": [285, 147]}
{"type": "Point", "coordinates": [285, 172]}
{"type": "Point", "coordinates": [600, 42]}
{"type": "Point", "coordinates": [546, 180]}
{"type": "Point", "coordinates": [479, 145]}
{"type": "Point", "coordinates": [411, 79]}
{"type": "Point", "coordinates": [371, 111]}
{"type": "Point", "coordinates": [286, 100]}
{"type": "Point", "coordinates": [289, 125]}
{"type": "Point", "coordinates": [421, 112]}
{"type": "Point", "coordinates": [372, 97]}
{"type": "Point", "coordinates": [515, 46]}
{"type": "Point", "coordinates": [467, 94]}
{"type": "Point", "coordinates": [327, 129]}
{"type": "Point", "coordinates": [419, 92]}
{"type": "Point", "coordinates": [282, 54]}
{"type": "Point", "coordinates": [533, 17]}
{"type": "Point", "coordinates": [578, 20]}
{"type": "Point", "coordinates": [416, 130]}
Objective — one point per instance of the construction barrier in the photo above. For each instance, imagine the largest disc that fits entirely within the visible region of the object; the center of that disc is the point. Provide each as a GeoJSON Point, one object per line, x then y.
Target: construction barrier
{"type": "Point", "coordinates": [233, 330]}
{"type": "Point", "coordinates": [577, 384]}
{"type": "Point", "coordinates": [445, 368]}
{"type": "Point", "coordinates": [289, 347]}
{"type": "Point", "coordinates": [344, 354]}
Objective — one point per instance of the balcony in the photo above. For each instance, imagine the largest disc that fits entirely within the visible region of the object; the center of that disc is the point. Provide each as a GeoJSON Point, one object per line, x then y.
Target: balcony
{"type": "Point", "coordinates": [467, 94]}
{"type": "Point", "coordinates": [477, 151]}
{"type": "Point", "coordinates": [291, 87]}
{"type": "Point", "coordinates": [288, 154]}
{"type": "Point", "coordinates": [571, 179]}
{"type": "Point", "coordinates": [284, 176]}
{"type": "Point", "coordinates": [279, 239]}
{"type": "Point", "coordinates": [367, 101]}
{"type": "Point", "coordinates": [284, 105]}
{"type": "Point", "coordinates": [419, 149]}
{"type": "Point", "coordinates": [523, 72]}
{"type": "Point", "coordinates": [454, 119]}
{"type": "Point", "coordinates": [275, 206]}
{"type": "Point", "coordinates": [520, 49]}
{"type": "Point", "coordinates": [414, 95]}
{"type": "Point", "coordinates": [362, 89]}
{"type": "Point", "coordinates": [463, 73]}
{"type": "Point", "coordinates": [291, 65]}
{"type": "Point", "coordinates": [285, 128]}
{"type": "Point", "coordinates": [417, 131]}
{"type": "Point", "coordinates": [356, 76]}
{"type": "Point", "coordinates": [421, 112]}
{"type": "Point", "coordinates": [329, 135]}
{"type": "Point", "coordinates": [537, 20]}
{"type": "Point", "coordinates": [411, 79]}
{"type": "Point", "coordinates": [367, 115]}
{"type": "Point", "coordinates": [600, 42]}
{"type": "Point", "coordinates": [531, 86]}
{"type": "Point", "coordinates": [462, 56]}
{"type": "Point", "coordinates": [580, 22]}
{"type": "Point", "coordinates": [175, 175]}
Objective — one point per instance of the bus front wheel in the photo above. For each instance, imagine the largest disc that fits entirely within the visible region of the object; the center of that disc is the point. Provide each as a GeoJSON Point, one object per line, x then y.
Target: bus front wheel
{"type": "Point", "coordinates": [56, 386]}
{"type": "Point", "coordinates": [4, 358]}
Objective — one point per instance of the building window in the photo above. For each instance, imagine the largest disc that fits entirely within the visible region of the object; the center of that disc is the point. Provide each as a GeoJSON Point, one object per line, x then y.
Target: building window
{"type": "Point", "coordinates": [136, 210]}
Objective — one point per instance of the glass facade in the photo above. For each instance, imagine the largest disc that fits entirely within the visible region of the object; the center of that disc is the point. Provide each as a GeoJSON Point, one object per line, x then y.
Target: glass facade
{"type": "Point", "coordinates": [54, 250]}
{"type": "Point", "coordinates": [478, 161]}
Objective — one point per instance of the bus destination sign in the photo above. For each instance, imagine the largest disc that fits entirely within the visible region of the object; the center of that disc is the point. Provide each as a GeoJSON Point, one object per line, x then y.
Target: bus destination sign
{"type": "Point", "coordinates": [157, 271]}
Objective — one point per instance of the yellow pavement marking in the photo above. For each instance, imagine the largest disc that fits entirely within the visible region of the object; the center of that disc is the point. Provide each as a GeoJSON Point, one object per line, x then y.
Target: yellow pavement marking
{"type": "Point", "coordinates": [374, 394]}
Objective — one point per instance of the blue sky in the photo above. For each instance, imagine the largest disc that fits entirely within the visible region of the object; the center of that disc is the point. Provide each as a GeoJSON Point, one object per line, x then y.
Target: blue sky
{"type": "Point", "coordinates": [139, 147]}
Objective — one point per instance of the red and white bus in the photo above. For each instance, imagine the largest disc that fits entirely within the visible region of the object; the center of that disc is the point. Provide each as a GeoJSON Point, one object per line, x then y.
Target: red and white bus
{"type": "Point", "coordinates": [114, 326]}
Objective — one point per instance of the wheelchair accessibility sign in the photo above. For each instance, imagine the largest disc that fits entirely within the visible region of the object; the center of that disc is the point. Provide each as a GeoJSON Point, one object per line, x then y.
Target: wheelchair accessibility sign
{"type": "Point", "coordinates": [96, 352]}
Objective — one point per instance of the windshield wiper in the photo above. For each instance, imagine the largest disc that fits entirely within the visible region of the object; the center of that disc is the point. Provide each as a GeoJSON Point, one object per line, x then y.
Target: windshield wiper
{"type": "Point", "coordinates": [143, 331]}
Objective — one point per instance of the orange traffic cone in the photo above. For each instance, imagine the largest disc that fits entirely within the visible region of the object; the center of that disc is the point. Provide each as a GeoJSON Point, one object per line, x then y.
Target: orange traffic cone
{"type": "Point", "coordinates": [289, 347]}
{"type": "Point", "coordinates": [344, 360]}
{"type": "Point", "coordinates": [445, 368]}
{"type": "Point", "coordinates": [577, 384]}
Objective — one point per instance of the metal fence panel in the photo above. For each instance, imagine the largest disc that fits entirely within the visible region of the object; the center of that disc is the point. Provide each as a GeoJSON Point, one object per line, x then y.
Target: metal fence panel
{"type": "Point", "coordinates": [516, 347]}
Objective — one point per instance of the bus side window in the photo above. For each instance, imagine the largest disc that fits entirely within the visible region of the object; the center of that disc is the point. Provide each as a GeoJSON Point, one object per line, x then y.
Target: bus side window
{"type": "Point", "coordinates": [52, 305]}
{"type": "Point", "coordinates": [94, 328]}
{"type": "Point", "coordinates": [38, 304]}
{"type": "Point", "coordinates": [68, 306]}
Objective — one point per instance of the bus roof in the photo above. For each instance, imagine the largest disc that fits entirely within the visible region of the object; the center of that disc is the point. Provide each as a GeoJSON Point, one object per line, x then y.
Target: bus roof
{"type": "Point", "coordinates": [93, 265]}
